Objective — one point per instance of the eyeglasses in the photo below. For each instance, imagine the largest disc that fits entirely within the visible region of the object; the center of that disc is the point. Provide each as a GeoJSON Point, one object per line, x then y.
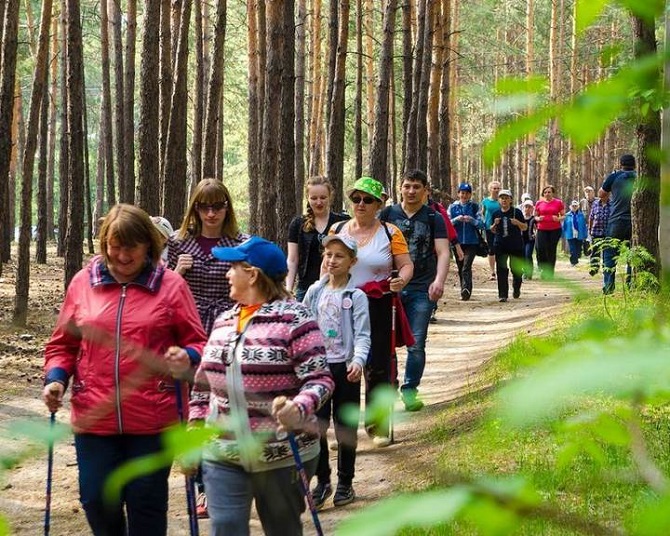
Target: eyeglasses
{"type": "Point", "coordinates": [216, 207]}
{"type": "Point", "coordinates": [356, 199]}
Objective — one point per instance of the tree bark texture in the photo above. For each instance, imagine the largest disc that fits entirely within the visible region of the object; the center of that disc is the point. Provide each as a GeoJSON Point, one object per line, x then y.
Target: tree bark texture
{"type": "Point", "coordinates": [198, 97]}
{"type": "Point", "coordinates": [358, 99]}
{"type": "Point", "coordinates": [107, 140]}
{"type": "Point", "coordinates": [165, 93]}
{"type": "Point", "coordinates": [299, 162]}
{"type": "Point", "coordinates": [63, 158]}
{"type": "Point", "coordinates": [443, 179]}
{"type": "Point", "coordinates": [129, 101]}
{"type": "Point", "coordinates": [255, 98]}
{"type": "Point", "coordinates": [175, 168]}
{"type": "Point", "coordinates": [53, 118]}
{"type": "Point", "coordinates": [148, 177]}
{"type": "Point", "coordinates": [10, 24]}
{"type": "Point", "coordinates": [335, 148]}
{"type": "Point", "coordinates": [214, 112]}
{"type": "Point", "coordinates": [645, 205]}
{"type": "Point", "coordinates": [75, 89]}
{"type": "Point", "coordinates": [379, 146]}
{"type": "Point", "coordinates": [114, 14]}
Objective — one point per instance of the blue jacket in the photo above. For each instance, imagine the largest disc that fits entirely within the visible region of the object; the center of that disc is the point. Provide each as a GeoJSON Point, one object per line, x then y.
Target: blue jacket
{"type": "Point", "coordinates": [467, 231]}
{"type": "Point", "coordinates": [568, 227]}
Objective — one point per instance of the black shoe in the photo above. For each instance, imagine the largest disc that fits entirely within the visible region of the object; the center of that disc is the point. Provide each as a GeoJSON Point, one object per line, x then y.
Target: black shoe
{"type": "Point", "coordinates": [516, 293]}
{"type": "Point", "coordinates": [502, 300]}
{"type": "Point", "coordinates": [465, 294]}
{"type": "Point", "coordinates": [320, 494]}
{"type": "Point", "coordinates": [593, 271]}
{"type": "Point", "coordinates": [344, 495]}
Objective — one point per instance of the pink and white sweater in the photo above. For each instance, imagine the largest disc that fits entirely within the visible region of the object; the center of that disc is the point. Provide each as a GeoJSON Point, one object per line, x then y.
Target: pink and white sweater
{"type": "Point", "coordinates": [279, 353]}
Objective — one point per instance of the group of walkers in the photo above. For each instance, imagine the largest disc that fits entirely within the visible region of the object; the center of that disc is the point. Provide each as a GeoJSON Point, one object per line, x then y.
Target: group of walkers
{"type": "Point", "coordinates": [231, 333]}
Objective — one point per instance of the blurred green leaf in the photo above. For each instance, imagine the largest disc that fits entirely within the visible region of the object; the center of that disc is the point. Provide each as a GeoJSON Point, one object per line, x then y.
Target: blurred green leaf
{"type": "Point", "coordinates": [515, 86]}
{"type": "Point", "coordinates": [617, 367]}
{"type": "Point", "coordinates": [407, 510]}
{"type": "Point", "coordinates": [4, 526]}
{"type": "Point", "coordinates": [653, 519]}
{"type": "Point", "coordinates": [510, 132]}
{"type": "Point", "coordinates": [132, 470]}
{"type": "Point", "coordinates": [41, 431]}
{"type": "Point", "coordinates": [587, 12]}
{"type": "Point", "coordinates": [491, 518]}
{"type": "Point", "coordinates": [594, 109]}
{"type": "Point", "coordinates": [646, 9]}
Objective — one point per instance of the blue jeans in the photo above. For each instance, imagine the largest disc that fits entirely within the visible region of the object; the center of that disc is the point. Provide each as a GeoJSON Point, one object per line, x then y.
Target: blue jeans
{"type": "Point", "coordinates": [418, 309]}
{"type": "Point", "coordinates": [145, 498]}
{"type": "Point", "coordinates": [622, 231]}
{"type": "Point", "coordinates": [528, 250]}
{"type": "Point", "coordinates": [278, 495]}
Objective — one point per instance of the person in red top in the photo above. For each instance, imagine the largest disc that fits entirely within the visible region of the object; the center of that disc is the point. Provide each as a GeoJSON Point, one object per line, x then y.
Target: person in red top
{"type": "Point", "coordinates": [549, 214]}
{"type": "Point", "coordinates": [127, 328]}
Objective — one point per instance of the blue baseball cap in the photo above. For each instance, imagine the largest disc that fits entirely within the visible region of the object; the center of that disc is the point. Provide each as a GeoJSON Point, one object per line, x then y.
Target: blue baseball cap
{"type": "Point", "coordinates": [465, 187]}
{"type": "Point", "coordinates": [259, 253]}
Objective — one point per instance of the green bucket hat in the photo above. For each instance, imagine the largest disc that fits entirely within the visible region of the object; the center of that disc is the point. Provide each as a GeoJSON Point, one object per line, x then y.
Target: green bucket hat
{"type": "Point", "coordinates": [369, 186]}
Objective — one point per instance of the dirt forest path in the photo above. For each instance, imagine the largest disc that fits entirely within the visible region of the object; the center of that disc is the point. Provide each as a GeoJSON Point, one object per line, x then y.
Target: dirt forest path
{"type": "Point", "coordinates": [466, 335]}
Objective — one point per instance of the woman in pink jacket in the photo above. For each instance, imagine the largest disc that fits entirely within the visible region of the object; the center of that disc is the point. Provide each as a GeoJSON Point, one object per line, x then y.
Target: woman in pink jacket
{"type": "Point", "coordinates": [127, 329]}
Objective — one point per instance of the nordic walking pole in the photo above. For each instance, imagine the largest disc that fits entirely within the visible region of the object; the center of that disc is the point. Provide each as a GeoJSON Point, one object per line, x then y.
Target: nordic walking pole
{"type": "Point", "coordinates": [394, 357]}
{"type": "Point", "coordinates": [304, 482]}
{"type": "Point", "coordinates": [50, 470]}
{"type": "Point", "coordinates": [190, 489]}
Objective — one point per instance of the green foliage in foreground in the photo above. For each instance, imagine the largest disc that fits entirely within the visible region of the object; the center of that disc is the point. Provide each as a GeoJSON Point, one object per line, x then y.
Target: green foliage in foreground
{"type": "Point", "coordinates": [574, 442]}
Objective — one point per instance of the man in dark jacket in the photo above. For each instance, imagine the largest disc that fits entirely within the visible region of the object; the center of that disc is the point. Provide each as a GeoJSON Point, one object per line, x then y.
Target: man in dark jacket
{"type": "Point", "coordinates": [618, 188]}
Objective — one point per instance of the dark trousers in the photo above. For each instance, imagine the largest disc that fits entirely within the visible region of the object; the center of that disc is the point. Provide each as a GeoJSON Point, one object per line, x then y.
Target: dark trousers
{"type": "Point", "coordinates": [528, 249]}
{"type": "Point", "coordinates": [546, 243]}
{"type": "Point", "coordinates": [465, 266]}
{"type": "Point", "coordinates": [621, 230]}
{"type": "Point", "coordinates": [515, 261]}
{"type": "Point", "coordinates": [145, 498]}
{"type": "Point", "coordinates": [379, 367]}
{"type": "Point", "coordinates": [575, 247]}
{"type": "Point", "coordinates": [344, 406]}
{"type": "Point", "coordinates": [595, 253]}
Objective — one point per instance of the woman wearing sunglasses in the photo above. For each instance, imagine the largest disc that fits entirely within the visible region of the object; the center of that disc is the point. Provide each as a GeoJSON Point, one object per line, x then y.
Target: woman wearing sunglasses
{"type": "Point", "coordinates": [209, 222]}
{"type": "Point", "coordinates": [381, 250]}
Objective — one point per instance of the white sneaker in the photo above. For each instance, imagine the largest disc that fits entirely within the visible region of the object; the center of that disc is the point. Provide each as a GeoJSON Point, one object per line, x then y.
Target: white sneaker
{"type": "Point", "coordinates": [332, 445]}
{"type": "Point", "coordinates": [381, 441]}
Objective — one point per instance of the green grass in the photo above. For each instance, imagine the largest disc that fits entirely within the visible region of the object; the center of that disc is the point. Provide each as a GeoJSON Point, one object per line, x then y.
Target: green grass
{"type": "Point", "coordinates": [580, 464]}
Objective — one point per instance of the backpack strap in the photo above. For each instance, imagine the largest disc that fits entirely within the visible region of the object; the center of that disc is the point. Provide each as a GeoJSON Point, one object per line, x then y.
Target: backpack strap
{"type": "Point", "coordinates": [339, 226]}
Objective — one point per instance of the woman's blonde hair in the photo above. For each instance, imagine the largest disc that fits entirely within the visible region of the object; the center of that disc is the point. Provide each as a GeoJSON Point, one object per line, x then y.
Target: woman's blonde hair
{"type": "Point", "coordinates": [208, 191]}
{"type": "Point", "coordinates": [308, 224]}
{"type": "Point", "coordinates": [130, 225]}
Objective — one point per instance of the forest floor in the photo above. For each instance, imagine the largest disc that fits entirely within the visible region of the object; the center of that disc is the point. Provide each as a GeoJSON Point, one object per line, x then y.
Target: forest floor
{"type": "Point", "coordinates": [465, 337]}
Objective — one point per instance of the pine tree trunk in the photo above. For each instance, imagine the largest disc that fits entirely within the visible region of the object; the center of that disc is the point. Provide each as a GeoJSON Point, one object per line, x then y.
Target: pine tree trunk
{"type": "Point", "coordinates": [114, 15]}
{"type": "Point", "coordinates": [254, 128]}
{"type": "Point", "coordinates": [408, 90]}
{"type": "Point", "coordinates": [53, 118]}
{"type": "Point", "coordinates": [107, 140]}
{"type": "Point", "coordinates": [443, 178]}
{"type": "Point", "coordinates": [358, 99]}
{"type": "Point", "coordinates": [63, 158]}
{"type": "Point", "coordinates": [316, 105]}
{"type": "Point", "coordinates": [412, 133]}
{"type": "Point", "coordinates": [335, 149]}
{"type": "Point", "coordinates": [422, 108]}
{"type": "Point", "coordinates": [378, 163]}
{"type": "Point", "coordinates": [10, 24]}
{"type": "Point", "coordinates": [285, 184]}
{"type": "Point", "coordinates": [75, 98]}
{"type": "Point", "coordinates": [299, 163]}
{"type": "Point", "coordinates": [38, 91]}
{"type": "Point", "coordinates": [175, 168]}
{"type": "Point", "coordinates": [432, 114]}
{"type": "Point", "coordinates": [531, 184]}
{"type": "Point", "coordinates": [267, 203]}
{"type": "Point", "coordinates": [165, 91]}
{"type": "Point", "coordinates": [100, 168]}
{"type": "Point", "coordinates": [214, 112]}
{"type": "Point", "coordinates": [645, 203]}
{"type": "Point", "coordinates": [199, 98]}
{"type": "Point", "coordinates": [369, 29]}
{"type": "Point", "coordinates": [148, 177]}
{"type": "Point", "coordinates": [129, 101]}
{"type": "Point", "coordinates": [87, 170]}
{"type": "Point", "coordinates": [333, 25]}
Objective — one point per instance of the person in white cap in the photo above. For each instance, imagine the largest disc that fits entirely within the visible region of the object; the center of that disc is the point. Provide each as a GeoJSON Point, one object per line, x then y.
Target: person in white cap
{"type": "Point", "coordinates": [574, 230]}
{"type": "Point", "coordinates": [165, 229]}
{"type": "Point", "coordinates": [528, 238]}
{"type": "Point", "coordinates": [341, 310]}
{"type": "Point", "coordinates": [508, 224]}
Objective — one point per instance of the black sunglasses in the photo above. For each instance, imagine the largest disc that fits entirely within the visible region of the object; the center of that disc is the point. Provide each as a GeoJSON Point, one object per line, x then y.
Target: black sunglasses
{"type": "Point", "coordinates": [356, 199]}
{"type": "Point", "coordinates": [216, 207]}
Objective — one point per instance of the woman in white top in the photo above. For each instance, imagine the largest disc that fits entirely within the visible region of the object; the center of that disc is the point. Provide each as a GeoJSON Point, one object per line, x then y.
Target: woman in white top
{"type": "Point", "coordinates": [381, 249]}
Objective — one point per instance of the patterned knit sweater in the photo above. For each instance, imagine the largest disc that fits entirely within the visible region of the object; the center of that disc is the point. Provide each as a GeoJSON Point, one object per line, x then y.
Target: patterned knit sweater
{"type": "Point", "coordinates": [279, 353]}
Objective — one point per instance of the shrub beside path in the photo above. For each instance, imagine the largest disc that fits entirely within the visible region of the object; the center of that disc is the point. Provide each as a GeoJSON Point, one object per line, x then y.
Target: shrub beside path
{"type": "Point", "coordinates": [465, 337]}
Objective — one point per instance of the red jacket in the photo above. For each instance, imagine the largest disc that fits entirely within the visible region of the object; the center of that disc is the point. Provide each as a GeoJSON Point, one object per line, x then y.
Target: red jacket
{"type": "Point", "coordinates": [110, 339]}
